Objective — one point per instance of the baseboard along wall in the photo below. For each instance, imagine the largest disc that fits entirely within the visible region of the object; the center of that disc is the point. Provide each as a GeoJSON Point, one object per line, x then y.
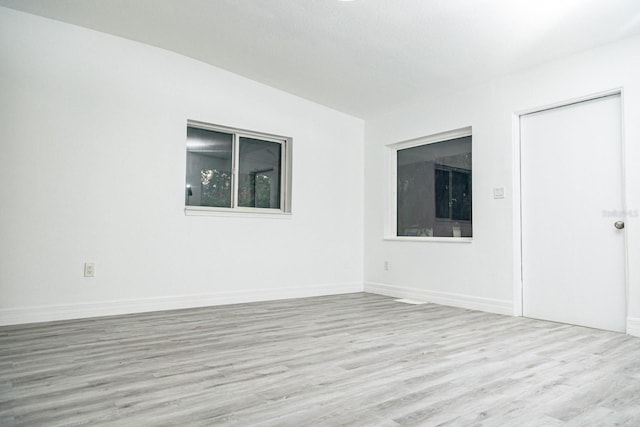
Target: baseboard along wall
{"type": "Point", "coordinates": [490, 305]}
{"type": "Point", "coordinates": [21, 315]}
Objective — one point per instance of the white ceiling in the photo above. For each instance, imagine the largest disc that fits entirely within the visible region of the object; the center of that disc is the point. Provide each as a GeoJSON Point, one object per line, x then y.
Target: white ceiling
{"type": "Point", "coordinates": [362, 56]}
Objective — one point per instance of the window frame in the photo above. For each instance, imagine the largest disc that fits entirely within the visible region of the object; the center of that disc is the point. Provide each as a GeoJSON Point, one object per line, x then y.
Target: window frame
{"type": "Point", "coordinates": [247, 211]}
{"type": "Point", "coordinates": [391, 223]}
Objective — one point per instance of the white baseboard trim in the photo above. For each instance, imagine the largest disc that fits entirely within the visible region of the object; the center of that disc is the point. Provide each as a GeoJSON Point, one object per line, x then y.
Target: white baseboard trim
{"type": "Point", "coordinates": [633, 326]}
{"type": "Point", "coordinates": [490, 305]}
{"type": "Point", "coordinates": [21, 315]}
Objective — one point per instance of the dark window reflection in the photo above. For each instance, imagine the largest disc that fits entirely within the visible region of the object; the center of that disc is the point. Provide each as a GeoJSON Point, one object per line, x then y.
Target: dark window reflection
{"type": "Point", "coordinates": [259, 177]}
{"type": "Point", "coordinates": [434, 189]}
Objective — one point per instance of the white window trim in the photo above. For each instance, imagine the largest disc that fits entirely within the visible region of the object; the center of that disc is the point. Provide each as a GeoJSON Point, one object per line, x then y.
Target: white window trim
{"type": "Point", "coordinates": [237, 212]}
{"type": "Point", "coordinates": [391, 156]}
{"type": "Point", "coordinates": [430, 239]}
{"type": "Point", "coordinates": [285, 176]}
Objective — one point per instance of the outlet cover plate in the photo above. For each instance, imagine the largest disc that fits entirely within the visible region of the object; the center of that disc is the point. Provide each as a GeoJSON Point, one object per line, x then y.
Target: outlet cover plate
{"type": "Point", "coordinates": [89, 269]}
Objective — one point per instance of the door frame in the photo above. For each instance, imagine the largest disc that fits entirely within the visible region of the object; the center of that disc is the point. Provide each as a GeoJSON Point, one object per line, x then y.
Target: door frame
{"type": "Point", "coordinates": [517, 192]}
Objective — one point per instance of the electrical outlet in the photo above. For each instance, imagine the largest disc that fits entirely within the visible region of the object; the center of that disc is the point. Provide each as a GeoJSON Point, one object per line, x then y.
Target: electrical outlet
{"type": "Point", "coordinates": [387, 265]}
{"type": "Point", "coordinates": [89, 269]}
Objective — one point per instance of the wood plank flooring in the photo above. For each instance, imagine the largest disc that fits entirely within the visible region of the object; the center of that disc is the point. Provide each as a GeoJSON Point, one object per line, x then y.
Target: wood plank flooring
{"type": "Point", "coordinates": [347, 360]}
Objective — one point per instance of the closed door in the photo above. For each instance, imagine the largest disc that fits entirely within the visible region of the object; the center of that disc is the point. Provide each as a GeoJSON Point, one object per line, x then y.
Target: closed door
{"type": "Point", "coordinates": [573, 251]}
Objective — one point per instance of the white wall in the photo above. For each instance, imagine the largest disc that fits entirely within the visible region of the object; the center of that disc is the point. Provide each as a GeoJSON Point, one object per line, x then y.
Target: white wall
{"type": "Point", "coordinates": [483, 274]}
{"type": "Point", "coordinates": [92, 168]}
{"type": "Point", "coordinates": [92, 158]}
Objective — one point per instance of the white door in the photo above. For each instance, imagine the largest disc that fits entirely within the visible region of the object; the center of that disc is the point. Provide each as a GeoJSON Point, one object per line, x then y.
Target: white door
{"type": "Point", "coordinates": [573, 256]}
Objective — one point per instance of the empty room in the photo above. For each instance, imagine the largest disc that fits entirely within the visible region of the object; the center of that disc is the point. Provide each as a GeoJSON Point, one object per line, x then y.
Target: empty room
{"type": "Point", "coordinates": [319, 212]}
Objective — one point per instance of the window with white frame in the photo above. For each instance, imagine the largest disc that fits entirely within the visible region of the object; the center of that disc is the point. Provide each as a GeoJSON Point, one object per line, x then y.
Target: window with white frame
{"type": "Point", "coordinates": [236, 170]}
{"type": "Point", "coordinates": [433, 186]}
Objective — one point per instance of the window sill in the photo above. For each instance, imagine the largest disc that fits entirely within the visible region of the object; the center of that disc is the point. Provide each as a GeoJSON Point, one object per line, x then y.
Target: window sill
{"type": "Point", "coordinates": [429, 239]}
{"type": "Point", "coordinates": [236, 213]}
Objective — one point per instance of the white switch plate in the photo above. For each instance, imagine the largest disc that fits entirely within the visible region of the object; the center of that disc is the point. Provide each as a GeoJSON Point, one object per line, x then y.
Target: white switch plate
{"type": "Point", "coordinates": [387, 265]}
{"type": "Point", "coordinates": [498, 193]}
{"type": "Point", "coordinates": [89, 269]}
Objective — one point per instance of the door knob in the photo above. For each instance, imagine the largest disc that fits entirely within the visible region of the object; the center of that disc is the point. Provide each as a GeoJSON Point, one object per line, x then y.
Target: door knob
{"type": "Point", "coordinates": [619, 225]}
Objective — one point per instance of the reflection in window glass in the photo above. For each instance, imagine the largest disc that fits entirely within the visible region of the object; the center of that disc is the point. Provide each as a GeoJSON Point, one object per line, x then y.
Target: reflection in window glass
{"type": "Point", "coordinates": [434, 189]}
{"type": "Point", "coordinates": [460, 195]}
{"type": "Point", "coordinates": [259, 177]}
{"type": "Point", "coordinates": [209, 166]}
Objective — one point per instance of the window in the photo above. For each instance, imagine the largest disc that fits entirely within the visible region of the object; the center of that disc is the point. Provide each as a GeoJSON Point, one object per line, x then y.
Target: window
{"type": "Point", "coordinates": [235, 170]}
{"type": "Point", "coordinates": [433, 186]}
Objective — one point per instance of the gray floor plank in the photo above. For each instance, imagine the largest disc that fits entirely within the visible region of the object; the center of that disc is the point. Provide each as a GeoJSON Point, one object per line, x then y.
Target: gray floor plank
{"type": "Point", "coordinates": [352, 360]}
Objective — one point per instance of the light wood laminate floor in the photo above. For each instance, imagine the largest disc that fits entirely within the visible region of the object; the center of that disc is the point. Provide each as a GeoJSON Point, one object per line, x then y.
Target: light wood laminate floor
{"type": "Point", "coordinates": [353, 360]}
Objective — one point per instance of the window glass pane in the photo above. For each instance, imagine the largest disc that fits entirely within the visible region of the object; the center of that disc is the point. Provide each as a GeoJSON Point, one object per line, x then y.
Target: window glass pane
{"type": "Point", "coordinates": [259, 174]}
{"type": "Point", "coordinates": [209, 166]}
{"type": "Point", "coordinates": [434, 189]}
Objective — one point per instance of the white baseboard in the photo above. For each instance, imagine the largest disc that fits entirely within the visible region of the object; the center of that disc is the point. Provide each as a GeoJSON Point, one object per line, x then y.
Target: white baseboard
{"type": "Point", "coordinates": [633, 326]}
{"type": "Point", "coordinates": [490, 305]}
{"type": "Point", "coordinates": [13, 316]}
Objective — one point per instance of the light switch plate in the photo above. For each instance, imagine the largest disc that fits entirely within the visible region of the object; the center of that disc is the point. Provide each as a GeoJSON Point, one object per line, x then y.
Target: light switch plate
{"type": "Point", "coordinates": [498, 193]}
